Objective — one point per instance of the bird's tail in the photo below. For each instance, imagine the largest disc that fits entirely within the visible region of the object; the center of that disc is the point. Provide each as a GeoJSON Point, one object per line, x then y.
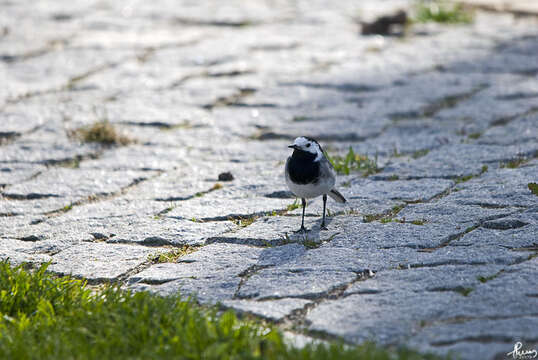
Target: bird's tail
{"type": "Point", "coordinates": [337, 196]}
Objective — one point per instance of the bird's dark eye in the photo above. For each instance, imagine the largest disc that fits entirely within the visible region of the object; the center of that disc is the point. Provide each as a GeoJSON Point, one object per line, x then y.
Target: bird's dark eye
{"type": "Point", "coordinates": [307, 145]}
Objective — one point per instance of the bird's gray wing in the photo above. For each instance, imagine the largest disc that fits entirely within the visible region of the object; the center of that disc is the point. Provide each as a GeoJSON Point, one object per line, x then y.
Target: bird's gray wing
{"type": "Point", "coordinates": [286, 172]}
{"type": "Point", "coordinates": [327, 173]}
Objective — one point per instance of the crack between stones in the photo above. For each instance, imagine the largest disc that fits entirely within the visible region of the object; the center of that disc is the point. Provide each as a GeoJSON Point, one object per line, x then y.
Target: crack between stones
{"type": "Point", "coordinates": [480, 223]}
{"type": "Point", "coordinates": [507, 119]}
{"type": "Point", "coordinates": [8, 137]}
{"type": "Point", "coordinates": [205, 74]}
{"type": "Point", "coordinates": [50, 46]}
{"type": "Point", "coordinates": [217, 186]}
{"type": "Point", "coordinates": [68, 85]}
{"type": "Point", "coordinates": [245, 275]}
{"type": "Point", "coordinates": [483, 339]}
{"type": "Point", "coordinates": [463, 319]}
{"type": "Point", "coordinates": [72, 81]}
{"type": "Point", "coordinates": [231, 99]}
{"type": "Point", "coordinates": [184, 21]}
{"type": "Point", "coordinates": [94, 198]}
{"type": "Point", "coordinates": [436, 106]}
{"type": "Point", "coordinates": [297, 318]}
{"type": "Point", "coordinates": [30, 196]}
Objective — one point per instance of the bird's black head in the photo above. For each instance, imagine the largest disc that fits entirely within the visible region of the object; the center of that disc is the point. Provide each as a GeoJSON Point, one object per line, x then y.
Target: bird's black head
{"type": "Point", "coordinates": [307, 145]}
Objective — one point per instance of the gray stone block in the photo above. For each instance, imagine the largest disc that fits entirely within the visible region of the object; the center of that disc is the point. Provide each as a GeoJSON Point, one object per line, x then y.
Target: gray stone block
{"type": "Point", "coordinates": [274, 310]}
{"type": "Point", "coordinates": [14, 173]}
{"type": "Point", "coordinates": [303, 283]}
{"type": "Point", "coordinates": [446, 162]}
{"type": "Point", "coordinates": [99, 261]}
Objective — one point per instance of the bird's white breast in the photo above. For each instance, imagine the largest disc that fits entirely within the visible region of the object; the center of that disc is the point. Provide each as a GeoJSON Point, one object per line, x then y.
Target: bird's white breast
{"type": "Point", "coordinates": [312, 190]}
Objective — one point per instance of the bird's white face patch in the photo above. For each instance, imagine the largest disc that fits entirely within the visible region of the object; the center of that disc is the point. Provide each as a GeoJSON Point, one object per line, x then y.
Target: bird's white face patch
{"type": "Point", "coordinates": [309, 146]}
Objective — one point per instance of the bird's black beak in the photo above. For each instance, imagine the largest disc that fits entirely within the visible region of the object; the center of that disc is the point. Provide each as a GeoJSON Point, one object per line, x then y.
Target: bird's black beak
{"type": "Point", "coordinates": [293, 146]}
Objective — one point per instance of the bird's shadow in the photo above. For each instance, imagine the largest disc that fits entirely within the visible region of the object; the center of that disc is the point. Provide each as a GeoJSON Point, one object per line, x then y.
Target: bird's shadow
{"type": "Point", "coordinates": [312, 237]}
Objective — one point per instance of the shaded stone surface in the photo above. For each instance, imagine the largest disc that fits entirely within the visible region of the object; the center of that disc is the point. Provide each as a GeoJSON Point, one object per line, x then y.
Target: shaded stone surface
{"type": "Point", "coordinates": [271, 309]}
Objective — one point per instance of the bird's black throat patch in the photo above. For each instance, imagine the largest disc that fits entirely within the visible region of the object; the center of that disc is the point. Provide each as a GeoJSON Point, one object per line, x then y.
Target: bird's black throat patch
{"type": "Point", "coordinates": [302, 168]}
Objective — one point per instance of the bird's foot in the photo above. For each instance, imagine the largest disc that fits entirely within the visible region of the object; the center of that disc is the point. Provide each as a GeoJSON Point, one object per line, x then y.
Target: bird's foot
{"type": "Point", "coordinates": [323, 227]}
{"type": "Point", "coordinates": [302, 229]}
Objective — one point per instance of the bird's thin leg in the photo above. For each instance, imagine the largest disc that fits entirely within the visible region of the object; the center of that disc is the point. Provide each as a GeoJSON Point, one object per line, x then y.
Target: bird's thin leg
{"type": "Point", "coordinates": [303, 200]}
{"type": "Point", "coordinates": [323, 227]}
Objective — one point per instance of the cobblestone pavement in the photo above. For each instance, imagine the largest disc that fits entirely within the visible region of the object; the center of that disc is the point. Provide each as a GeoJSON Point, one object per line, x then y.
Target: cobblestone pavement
{"type": "Point", "coordinates": [436, 251]}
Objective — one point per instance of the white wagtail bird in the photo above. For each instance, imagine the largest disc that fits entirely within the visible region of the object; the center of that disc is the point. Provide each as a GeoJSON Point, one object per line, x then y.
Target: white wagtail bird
{"type": "Point", "coordinates": [309, 174]}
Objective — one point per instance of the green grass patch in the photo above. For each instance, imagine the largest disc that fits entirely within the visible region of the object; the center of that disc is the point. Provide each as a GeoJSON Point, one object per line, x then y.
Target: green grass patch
{"type": "Point", "coordinates": [43, 316]}
{"type": "Point", "coordinates": [352, 162]}
{"type": "Point", "coordinates": [441, 11]}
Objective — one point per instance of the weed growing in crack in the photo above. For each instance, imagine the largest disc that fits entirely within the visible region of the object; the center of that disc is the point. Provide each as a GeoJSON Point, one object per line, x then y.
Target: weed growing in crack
{"type": "Point", "coordinates": [371, 217]}
{"type": "Point", "coordinates": [463, 179]}
{"type": "Point", "coordinates": [469, 229]}
{"type": "Point", "coordinates": [420, 153]}
{"type": "Point", "coordinates": [485, 279]}
{"type": "Point", "coordinates": [442, 11]}
{"type": "Point", "coordinates": [311, 244]}
{"type": "Point", "coordinates": [300, 118]}
{"type": "Point", "coordinates": [533, 187]}
{"type": "Point", "coordinates": [171, 256]}
{"type": "Point", "coordinates": [216, 186]}
{"type": "Point", "coordinates": [163, 212]}
{"type": "Point", "coordinates": [244, 221]}
{"type": "Point", "coordinates": [101, 132]}
{"type": "Point", "coordinates": [463, 290]}
{"type": "Point", "coordinates": [397, 208]}
{"type": "Point", "coordinates": [474, 136]}
{"type": "Point", "coordinates": [352, 162]}
{"type": "Point", "coordinates": [418, 222]}
{"type": "Point", "coordinates": [385, 217]}
{"type": "Point", "coordinates": [386, 220]}
{"type": "Point", "coordinates": [293, 206]}
{"type": "Point", "coordinates": [514, 164]}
